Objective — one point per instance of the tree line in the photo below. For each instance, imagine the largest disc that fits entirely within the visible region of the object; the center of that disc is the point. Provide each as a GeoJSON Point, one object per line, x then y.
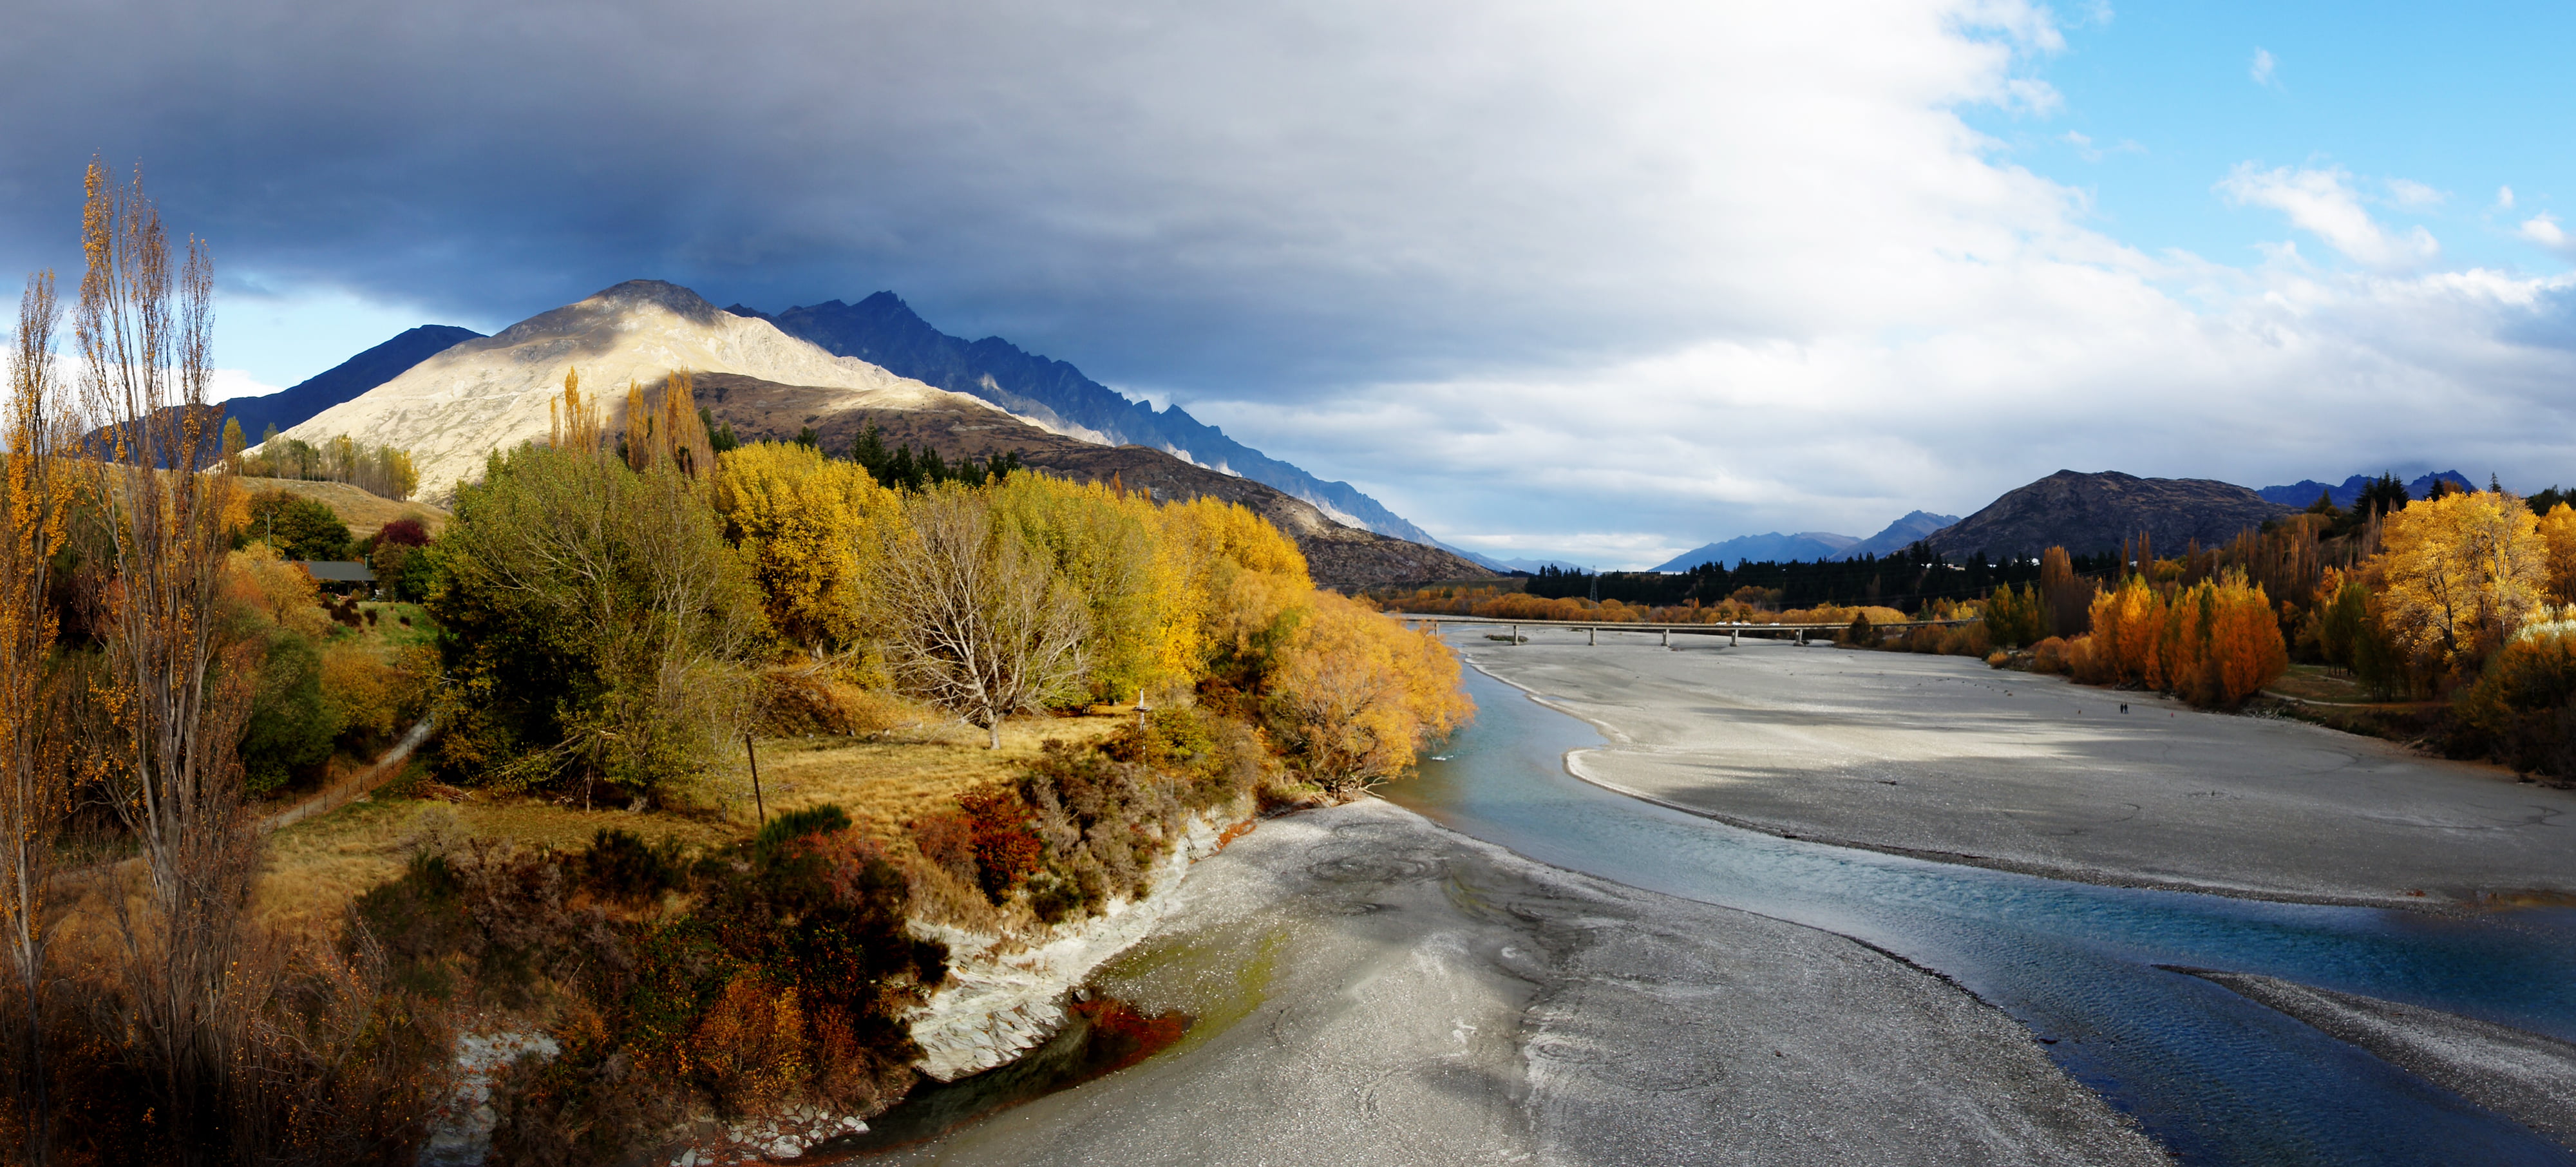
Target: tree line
{"type": "Point", "coordinates": [1905, 581]}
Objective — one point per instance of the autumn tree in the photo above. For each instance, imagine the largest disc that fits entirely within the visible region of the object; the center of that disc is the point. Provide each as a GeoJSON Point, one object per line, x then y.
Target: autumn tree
{"type": "Point", "coordinates": [2016, 615]}
{"type": "Point", "coordinates": [2558, 537]}
{"type": "Point", "coordinates": [599, 626]}
{"type": "Point", "coordinates": [2068, 597]}
{"type": "Point", "coordinates": [811, 531]}
{"type": "Point", "coordinates": [34, 780]}
{"type": "Point", "coordinates": [2458, 574]}
{"type": "Point", "coordinates": [1354, 695]}
{"type": "Point", "coordinates": [171, 702]}
{"type": "Point", "coordinates": [1103, 546]}
{"type": "Point", "coordinates": [978, 620]}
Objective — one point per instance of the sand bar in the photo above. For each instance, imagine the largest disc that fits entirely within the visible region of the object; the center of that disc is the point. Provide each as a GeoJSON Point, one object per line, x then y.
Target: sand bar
{"type": "Point", "coordinates": [1945, 758]}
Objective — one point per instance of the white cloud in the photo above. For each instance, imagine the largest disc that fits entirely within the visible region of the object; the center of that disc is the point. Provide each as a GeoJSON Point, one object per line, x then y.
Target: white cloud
{"type": "Point", "coordinates": [227, 384]}
{"type": "Point", "coordinates": [2544, 230]}
{"type": "Point", "coordinates": [2323, 203]}
{"type": "Point", "coordinates": [2262, 67]}
{"type": "Point", "coordinates": [2414, 196]}
{"type": "Point", "coordinates": [2504, 198]}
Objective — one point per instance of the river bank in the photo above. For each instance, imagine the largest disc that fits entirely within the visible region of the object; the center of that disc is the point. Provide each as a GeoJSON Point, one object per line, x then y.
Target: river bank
{"type": "Point", "coordinates": [1946, 759]}
{"type": "Point", "coordinates": [1369, 988]}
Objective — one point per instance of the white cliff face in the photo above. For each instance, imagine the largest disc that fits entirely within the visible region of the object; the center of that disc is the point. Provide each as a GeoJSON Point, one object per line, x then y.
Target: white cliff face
{"type": "Point", "coordinates": [452, 410]}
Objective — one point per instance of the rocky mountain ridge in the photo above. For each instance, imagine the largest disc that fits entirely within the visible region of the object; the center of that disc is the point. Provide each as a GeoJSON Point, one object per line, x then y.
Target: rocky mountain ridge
{"type": "Point", "coordinates": [885, 331]}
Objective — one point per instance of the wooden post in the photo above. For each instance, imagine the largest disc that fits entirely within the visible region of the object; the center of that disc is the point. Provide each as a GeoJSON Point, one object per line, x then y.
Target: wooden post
{"type": "Point", "coordinates": [756, 801]}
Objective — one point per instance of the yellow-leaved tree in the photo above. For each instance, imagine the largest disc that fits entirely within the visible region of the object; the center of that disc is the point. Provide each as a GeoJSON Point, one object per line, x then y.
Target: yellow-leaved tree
{"type": "Point", "coordinates": [2458, 574]}
{"type": "Point", "coordinates": [810, 529]}
{"type": "Point", "coordinates": [1102, 543]}
{"type": "Point", "coordinates": [2558, 537]}
{"type": "Point", "coordinates": [1353, 694]}
{"type": "Point", "coordinates": [1242, 587]}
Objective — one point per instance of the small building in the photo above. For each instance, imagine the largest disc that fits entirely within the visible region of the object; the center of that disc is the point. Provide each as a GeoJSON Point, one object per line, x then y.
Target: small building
{"type": "Point", "coordinates": [340, 575]}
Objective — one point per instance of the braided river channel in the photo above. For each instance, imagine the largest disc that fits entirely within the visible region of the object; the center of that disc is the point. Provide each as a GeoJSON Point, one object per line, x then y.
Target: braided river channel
{"type": "Point", "coordinates": [2216, 1078]}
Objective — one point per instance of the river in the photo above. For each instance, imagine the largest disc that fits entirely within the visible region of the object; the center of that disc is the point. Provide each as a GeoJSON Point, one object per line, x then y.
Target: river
{"type": "Point", "coordinates": [2214, 1077]}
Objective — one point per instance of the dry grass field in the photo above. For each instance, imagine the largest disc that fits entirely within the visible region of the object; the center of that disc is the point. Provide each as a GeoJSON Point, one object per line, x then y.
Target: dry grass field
{"type": "Point", "coordinates": [314, 868]}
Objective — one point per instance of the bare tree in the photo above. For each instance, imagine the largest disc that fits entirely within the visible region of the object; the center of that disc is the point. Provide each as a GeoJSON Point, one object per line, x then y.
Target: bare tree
{"type": "Point", "coordinates": [33, 758]}
{"type": "Point", "coordinates": [979, 622]}
{"type": "Point", "coordinates": [171, 708]}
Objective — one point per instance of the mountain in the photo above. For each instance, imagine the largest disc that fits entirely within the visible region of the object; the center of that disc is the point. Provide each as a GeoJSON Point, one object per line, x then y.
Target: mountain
{"type": "Point", "coordinates": [1899, 535]}
{"type": "Point", "coordinates": [288, 408]}
{"type": "Point", "coordinates": [1771, 548]}
{"type": "Point", "coordinates": [964, 427]}
{"type": "Point", "coordinates": [885, 331]}
{"type": "Point", "coordinates": [2094, 513]}
{"type": "Point", "coordinates": [2303, 493]}
{"type": "Point", "coordinates": [455, 408]}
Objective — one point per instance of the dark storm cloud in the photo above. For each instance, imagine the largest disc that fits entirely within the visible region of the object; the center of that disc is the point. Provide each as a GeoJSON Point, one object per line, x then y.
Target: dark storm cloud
{"type": "Point", "coordinates": [1183, 199]}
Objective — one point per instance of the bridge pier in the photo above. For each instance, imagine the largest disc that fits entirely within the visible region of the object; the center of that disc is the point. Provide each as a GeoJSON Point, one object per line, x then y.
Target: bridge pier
{"type": "Point", "coordinates": [1668, 638]}
{"type": "Point", "coordinates": [1733, 631]}
{"type": "Point", "coordinates": [1516, 636]}
{"type": "Point", "coordinates": [1592, 636]}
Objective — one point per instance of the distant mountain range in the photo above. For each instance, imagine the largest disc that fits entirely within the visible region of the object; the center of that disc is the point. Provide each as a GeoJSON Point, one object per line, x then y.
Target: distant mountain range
{"type": "Point", "coordinates": [2303, 493]}
{"type": "Point", "coordinates": [1811, 545]}
{"type": "Point", "coordinates": [884, 331]}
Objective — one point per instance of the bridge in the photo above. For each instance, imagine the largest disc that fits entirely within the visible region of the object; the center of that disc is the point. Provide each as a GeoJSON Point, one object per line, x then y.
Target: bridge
{"type": "Point", "coordinates": [1733, 631]}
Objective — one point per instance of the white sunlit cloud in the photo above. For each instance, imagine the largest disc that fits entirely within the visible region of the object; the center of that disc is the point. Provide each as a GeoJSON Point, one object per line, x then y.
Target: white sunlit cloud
{"type": "Point", "coordinates": [2504, 198]}
{"type": "Point", "coordinates": [2544, 230]}
{"type": "Point", "coordinates": [2261, 70]}
{"type": "Point", "coordinates": [2324, 204]}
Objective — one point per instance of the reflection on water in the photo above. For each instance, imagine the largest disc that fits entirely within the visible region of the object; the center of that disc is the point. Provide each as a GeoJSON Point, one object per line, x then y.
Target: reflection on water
{"type": "Point", "coordinates": [2216, 1078]}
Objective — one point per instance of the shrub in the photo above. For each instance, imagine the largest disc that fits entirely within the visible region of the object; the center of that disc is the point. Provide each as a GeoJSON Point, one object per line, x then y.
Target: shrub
{"type": "Point", "coordinates": [1006, 851]}
{"type": "Point", "coordinates": [2051, 656]}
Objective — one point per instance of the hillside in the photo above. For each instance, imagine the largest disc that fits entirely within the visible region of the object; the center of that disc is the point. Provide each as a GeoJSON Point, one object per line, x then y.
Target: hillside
{"type": "Point", "coordinates": [363, 513]}
{"type": "Point", "coordinates": [1339, 555]}
{"type": "Point", "coordinates": [885, 331]}
{"type": "Point", "coordinates": [2094, 513]}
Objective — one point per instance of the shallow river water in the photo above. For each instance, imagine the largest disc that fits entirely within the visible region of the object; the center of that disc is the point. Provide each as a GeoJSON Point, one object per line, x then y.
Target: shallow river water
{"type": "Point", "coordinates": [2216, 1078]}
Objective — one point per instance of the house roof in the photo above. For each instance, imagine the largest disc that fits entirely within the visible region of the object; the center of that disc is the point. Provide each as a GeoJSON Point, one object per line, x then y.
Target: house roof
{"type": "Point", "coordinates": [337, 570]}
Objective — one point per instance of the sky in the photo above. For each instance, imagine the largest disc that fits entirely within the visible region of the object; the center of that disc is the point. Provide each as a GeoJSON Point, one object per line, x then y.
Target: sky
{"type": "Point", "coordinates": [1588, 282]}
